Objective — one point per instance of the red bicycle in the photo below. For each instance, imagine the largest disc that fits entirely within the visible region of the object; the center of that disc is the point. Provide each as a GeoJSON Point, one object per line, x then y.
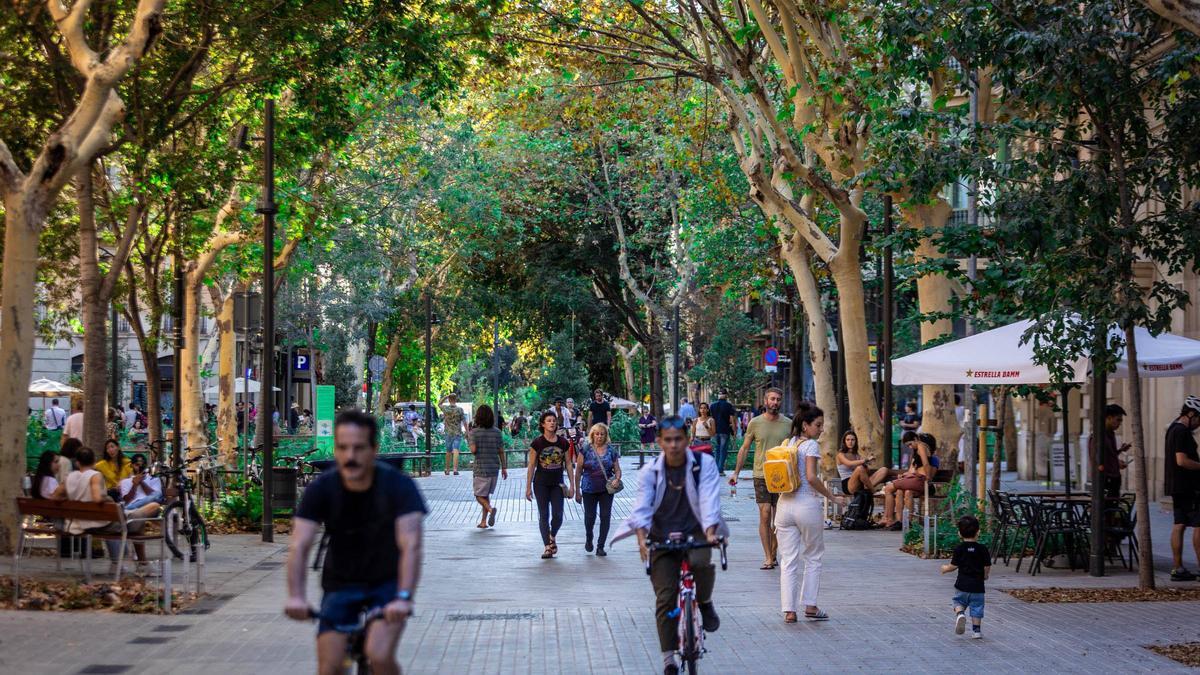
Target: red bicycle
{"type": "Point", "coordinates": [691, 624]}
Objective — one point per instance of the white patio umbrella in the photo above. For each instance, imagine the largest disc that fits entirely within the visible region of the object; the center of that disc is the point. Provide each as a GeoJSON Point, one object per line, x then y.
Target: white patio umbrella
{"type": "Point", "coordinates": [996, 356]}
{"type": "Point", "coordinates": [622, 403]}
{"type": "Point", "coordinates": [49, 388]}
{"type": "Point", "coordinates": [241, 386]}
{"type": "Point", "coordinates": [1164, 355]}
{"type": "Point", "coordinates": [999, 356]}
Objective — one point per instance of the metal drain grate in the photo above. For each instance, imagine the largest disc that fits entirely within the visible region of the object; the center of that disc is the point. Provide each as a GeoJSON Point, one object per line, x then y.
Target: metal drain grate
{"type": "Point", "coordinates": [150, 640]}
{"type": "Point", "coordinates": [207, 605]}
{"type": "Point", "coordinates": [494, 616]}
{"type": "Point", "coordinates": [267, 566]}
{"type": "Point", "coordinates": [172, 628]}
{"type": "Point", "coordinates": [98, 668]}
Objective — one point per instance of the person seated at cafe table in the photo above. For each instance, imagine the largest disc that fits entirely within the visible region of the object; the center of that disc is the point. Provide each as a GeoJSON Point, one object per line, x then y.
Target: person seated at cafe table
{"type": "Point", "coordinates": [898, 494]}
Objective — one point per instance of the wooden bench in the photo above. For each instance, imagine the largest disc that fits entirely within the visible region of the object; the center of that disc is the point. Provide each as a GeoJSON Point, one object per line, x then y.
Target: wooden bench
{"type": "Point", "coordinates": [60, 510]}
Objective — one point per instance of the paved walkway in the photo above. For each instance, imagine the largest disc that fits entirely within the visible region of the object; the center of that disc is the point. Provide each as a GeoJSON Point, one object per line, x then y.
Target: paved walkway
{"type": "Point", "coordinates": [489, 604]}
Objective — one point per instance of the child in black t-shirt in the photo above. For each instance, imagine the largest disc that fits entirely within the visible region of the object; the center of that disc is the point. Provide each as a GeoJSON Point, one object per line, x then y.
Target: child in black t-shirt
{"type": "Point", "coordinates": [973, 562]}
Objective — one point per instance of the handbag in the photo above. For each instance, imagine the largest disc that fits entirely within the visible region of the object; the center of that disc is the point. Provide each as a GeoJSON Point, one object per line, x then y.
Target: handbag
{"type": "Point", "coordinates": [613, 485]}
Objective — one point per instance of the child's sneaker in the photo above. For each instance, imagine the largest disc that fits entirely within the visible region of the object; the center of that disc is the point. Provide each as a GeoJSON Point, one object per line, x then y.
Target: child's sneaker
{"type": "Point", "coordinates": [960, 623]}
{"type": "Point", "coordinates": [976, 634]}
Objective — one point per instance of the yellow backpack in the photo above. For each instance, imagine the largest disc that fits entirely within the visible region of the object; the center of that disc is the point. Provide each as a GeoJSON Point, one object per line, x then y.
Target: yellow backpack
{"type": "Point", "coordinates": [780, 470]}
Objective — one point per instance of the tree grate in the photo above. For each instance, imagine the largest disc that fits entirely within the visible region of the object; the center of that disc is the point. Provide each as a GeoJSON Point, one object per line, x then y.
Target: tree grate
{"type": "Point", "coordinates": [494, 616]}
{"type": "Point", "coordinates": [104, 669]}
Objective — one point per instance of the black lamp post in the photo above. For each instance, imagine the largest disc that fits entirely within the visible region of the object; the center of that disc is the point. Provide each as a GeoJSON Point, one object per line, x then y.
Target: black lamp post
{"type": "Point", "coordinates": [114, 373]}
{"type": "Point", "coordinates": [430, 321]}
{"type": "Point", "coordinates": [268, 209]}
{"type": "Point", "coordinates": [673, 327]}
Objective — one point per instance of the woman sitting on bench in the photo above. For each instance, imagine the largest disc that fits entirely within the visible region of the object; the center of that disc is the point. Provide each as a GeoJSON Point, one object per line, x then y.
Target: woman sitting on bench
{"type": "Point", "coordinates": [854, 471]}
{"type": "Point", "coordinates": [920, 469]}
{"type": "Point", "coordinates": [87, 485]}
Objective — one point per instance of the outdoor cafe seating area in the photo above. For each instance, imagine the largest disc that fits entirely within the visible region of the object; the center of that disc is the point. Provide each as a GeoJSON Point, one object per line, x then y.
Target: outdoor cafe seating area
{"type": "Point", "coordinates": [1035, 527]}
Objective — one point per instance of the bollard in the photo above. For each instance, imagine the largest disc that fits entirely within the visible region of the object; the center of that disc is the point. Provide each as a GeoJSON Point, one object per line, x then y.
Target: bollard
{"type": "Point", "coordinates": [166, 582]}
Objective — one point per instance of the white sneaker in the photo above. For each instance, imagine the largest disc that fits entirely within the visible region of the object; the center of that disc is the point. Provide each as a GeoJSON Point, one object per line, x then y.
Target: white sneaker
{"type": "Point", "coordinates": [976, 634]}
{"type": "Point", "coordinates": [960, 623]}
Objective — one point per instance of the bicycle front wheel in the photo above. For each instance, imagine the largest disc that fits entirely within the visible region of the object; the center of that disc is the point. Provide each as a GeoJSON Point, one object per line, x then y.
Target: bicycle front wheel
{"type": "Point", "coordinates": [173, 527]}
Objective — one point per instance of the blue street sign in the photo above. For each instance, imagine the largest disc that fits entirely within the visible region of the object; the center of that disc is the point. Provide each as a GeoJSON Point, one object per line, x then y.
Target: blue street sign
{"type": "Point", "coordinates": [771, 356]}
{"type": "Point", "coordinates": [300, 361]}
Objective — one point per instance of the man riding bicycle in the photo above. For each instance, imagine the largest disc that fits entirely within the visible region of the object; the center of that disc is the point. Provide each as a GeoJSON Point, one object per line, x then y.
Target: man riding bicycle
{"type": "Point", "coordinates": [372, 516]}
{"type": "Point", "coordinates": [679, 492]}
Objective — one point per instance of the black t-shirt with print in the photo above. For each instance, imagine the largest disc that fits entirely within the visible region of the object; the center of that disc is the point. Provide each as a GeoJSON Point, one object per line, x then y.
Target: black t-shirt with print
{"type": "Point", "coordinates": [970, 557]}
{"type": "Point", "coordinates": [551, 458]}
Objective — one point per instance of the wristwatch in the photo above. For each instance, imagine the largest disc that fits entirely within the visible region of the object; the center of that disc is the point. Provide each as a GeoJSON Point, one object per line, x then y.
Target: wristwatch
{"type": "Point", "coordinates": [405, 595]}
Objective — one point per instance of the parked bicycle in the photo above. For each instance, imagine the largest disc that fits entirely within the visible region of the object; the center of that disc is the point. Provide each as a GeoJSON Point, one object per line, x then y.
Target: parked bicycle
{"type": "Point", "coordinates": [691, 628]}
{"type": "Point", "coordinates": [181, 518]}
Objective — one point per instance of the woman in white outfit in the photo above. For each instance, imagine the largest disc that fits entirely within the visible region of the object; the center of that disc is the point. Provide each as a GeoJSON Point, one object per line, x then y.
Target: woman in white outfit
{"type": "Point", "coordinates": [800, 521]}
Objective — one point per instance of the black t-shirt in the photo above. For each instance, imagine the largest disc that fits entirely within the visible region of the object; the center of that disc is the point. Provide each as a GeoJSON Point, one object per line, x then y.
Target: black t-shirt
{"type": "Point", "coordinates": [674, 514]}
{"type": "Point", "coordinates": [599, 411]}
{"type": "Point", "coordinates": [1177, 480]}
{"type": "Point", "coordinates": [721, 411]}
{"type": "Point", "coordinates": [551, 458]}
{"type": "Point", "coordinates": [362, 540]}
{"type": "Point", "coordinates": [970, 557]}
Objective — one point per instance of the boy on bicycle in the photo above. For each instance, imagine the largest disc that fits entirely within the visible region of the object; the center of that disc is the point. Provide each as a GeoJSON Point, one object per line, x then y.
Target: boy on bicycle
{"type": "Point", "coordinates": [373, 516]}
{"type": "Point", "coordinates": [680, 492]}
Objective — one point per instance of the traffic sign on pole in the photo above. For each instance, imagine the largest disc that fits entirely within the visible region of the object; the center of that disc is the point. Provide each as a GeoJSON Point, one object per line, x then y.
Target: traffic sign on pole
{"type": "Point", "coordinates": [771, 356]}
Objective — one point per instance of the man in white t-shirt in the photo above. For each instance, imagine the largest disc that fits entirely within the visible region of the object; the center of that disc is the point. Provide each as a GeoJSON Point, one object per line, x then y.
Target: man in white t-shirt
{"type": "Point", "coordinates": [54, 417]}
{"type": "Point", "coordinates": [73, 428]}
{"type": "Point", "coordinates": [131, 416]}
{"type": "Point", "coordinates": [140, 488]}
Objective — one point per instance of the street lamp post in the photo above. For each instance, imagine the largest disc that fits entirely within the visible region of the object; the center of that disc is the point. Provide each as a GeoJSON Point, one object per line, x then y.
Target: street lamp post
{"type": "Point", "coordinates": [496, 369]}
{"type": "Point", "coordinates": [430, 321]}
{"type": "Point", "coordinates": [114, 370]}
{"type": "Point", "coordinates": [675, 360]}
{"type": "Point", "coordinates": [885, 355]}
{"type": "Point", "coordinates": [268, 209]}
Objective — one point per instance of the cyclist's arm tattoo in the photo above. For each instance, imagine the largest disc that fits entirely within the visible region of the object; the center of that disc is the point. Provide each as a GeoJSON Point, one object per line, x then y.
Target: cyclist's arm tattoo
{"type": "Point", "coordinates": [409, 541]}
{"type": "Point", "coordinates": [304, 532]}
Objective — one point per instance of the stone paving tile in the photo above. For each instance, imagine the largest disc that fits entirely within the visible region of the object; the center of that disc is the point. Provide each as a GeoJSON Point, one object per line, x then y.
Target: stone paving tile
{"type": "Point", "coordinates": [583, 614]}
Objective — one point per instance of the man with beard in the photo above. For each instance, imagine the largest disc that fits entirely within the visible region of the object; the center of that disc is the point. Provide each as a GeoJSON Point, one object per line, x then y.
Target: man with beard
{"type": "Point", "coordinates": [766, 431]}
{"type": "Point", "coordinates": [372, 516]}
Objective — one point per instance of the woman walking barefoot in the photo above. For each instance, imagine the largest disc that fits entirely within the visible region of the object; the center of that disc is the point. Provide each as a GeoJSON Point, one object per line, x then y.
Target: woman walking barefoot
{"type": "Point", "coordinates": [595, 464]}
{"type": "Point", "coordinates": [487, 445]}
{"type": "Point", "coordinates": [800, 521]}
{"type": "Point", "coordinates": [544, 479]}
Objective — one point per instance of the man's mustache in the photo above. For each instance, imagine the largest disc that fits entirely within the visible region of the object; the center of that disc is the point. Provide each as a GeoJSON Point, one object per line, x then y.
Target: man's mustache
{"type": "Point", "coordinates": [351, 465]}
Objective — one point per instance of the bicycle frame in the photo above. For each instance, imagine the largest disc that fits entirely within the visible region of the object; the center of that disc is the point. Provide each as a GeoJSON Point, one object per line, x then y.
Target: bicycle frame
{"type": "Point", "coordinates": [691, 625]}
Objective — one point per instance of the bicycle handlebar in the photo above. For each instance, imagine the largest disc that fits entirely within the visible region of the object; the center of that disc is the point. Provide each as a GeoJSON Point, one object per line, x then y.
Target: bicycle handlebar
{"type": "Point", "coordinates": [687, 545]}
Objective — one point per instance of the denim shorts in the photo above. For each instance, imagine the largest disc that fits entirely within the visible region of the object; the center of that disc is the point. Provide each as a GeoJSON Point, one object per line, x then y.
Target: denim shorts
{"type": "Point", "coordinates": [452, 443]}
{"type": "Point", "coordinates": [970, 601]}
{"type": "Point", "coordinates": [340, 609]}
